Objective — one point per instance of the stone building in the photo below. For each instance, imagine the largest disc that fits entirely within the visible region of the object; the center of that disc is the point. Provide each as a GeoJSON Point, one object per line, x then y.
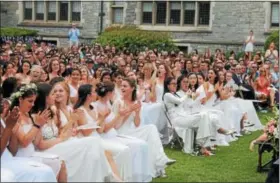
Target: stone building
{"type": "Point", "coordinates": [193, 24]}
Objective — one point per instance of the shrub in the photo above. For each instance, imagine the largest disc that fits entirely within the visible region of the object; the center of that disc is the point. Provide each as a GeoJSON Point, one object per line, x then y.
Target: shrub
{"type": "Point", "coordinates": [134, 39]}
{"type": "Point", "coordinates": [274, 37]}
{"type": "Point", "coordinates": [17, 32]}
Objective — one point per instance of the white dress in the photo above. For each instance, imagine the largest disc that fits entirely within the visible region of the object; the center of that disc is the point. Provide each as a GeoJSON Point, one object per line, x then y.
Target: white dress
{"type": "Point", "coordinates": [18, 169]}
{"type": "Point", "coordinates": [180, 118]}
{"type": "Point", "coordinates": [153, 113]}
{"type": "Point", "coordinates": [141, 166]}
{"type": "Point", "coordinates": [231, 114]}
{"type": "Point", "coordinates": [249, 46]}
{"type": "Point", "coordinates": [84, 158]}
{"type": "Point", "coordinates": [121, 153]}
{"type": "Point", "coordinates": [51, 160]}
{"type": "Point", "coordinates": [148, 133]}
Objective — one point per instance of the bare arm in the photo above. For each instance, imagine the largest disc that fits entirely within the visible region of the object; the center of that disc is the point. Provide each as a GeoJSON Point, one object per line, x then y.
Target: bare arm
{"type": "Point", "coordinates": [5, 137]}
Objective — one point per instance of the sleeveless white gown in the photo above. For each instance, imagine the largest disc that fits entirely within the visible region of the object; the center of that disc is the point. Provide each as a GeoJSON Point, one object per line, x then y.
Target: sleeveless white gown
{"type": "Point", "coordinates": [231, 118]}
{"type": "Point", "coordinates": [121, 153]}
{"type": "Point", "coordinates": [84, 158]}
{"type": "Point", "coordinates": [148, 133]}
{"type": "Point", "coordinates": [153, 113]}
{"type": "Point", "coordinates": [18, 169]}
{"type": "Point", "coordinates": [51, 160]}
{"type": "Point", "coordinates": [141, 167]}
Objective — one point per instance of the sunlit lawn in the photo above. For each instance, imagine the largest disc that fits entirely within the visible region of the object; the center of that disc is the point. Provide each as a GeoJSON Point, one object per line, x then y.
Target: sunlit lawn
{"type": "Point", "coordinates": [230, 164]}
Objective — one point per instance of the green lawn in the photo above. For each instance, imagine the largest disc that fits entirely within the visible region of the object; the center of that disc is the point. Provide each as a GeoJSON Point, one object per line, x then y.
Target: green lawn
{"type": "Point", "coordinates": [230, 164]}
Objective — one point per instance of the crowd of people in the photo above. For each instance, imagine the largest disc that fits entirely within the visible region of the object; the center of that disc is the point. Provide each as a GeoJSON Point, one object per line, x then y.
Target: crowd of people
{"type": "Point", "coordinates": [92, 113]}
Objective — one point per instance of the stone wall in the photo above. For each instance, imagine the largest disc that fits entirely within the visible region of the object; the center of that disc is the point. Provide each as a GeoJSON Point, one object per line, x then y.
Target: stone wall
{"type": "Point", "coordinates": [230, 23]}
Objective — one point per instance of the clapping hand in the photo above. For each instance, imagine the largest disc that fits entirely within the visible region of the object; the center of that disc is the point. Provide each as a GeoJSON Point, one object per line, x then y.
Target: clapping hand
{"type": "Point", "coordinates": [42, 117]}
{"type": "Point", "coordinates": [12, 117]}
{"type": "Point", "coordinates": [104, 114]}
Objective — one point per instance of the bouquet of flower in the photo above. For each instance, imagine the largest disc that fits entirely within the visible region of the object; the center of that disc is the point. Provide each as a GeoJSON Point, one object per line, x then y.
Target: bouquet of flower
{"type": "Point", "coordinates": [271, 132]}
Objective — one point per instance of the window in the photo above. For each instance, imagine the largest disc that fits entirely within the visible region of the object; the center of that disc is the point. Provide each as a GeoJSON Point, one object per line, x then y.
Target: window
{"type": "Point", "coordinates": [28, 10]}
{"type": "Point", "coordinates": [161, 12]}
{"type": "Point", "coordinates": [275, 14]}
{"type": "Point", "coordinates": [180, 13]}
{"type": "Point", "coordinates": [51, 10]}
{"type": "Point", "coordinates": [39, 10]}
{"type": "Point", "coordinates": [118, 15]}
{"type": "Point", "coordinates": [48, 10]}
{"type": "Point", "coordinates": [117, 12]}
{"type": "Point", "coordinates": [76, 11]}
{"type": "Point", "coordinates": [204, 13]}
{"type": "Point", "coordinates": [63, 9]}
{"type": "Point", "coordinates": [175, 12]}
{"type": "Point", "coordinates": [147, 12]}
{"type": "Point", "coordinates": [189, 12]}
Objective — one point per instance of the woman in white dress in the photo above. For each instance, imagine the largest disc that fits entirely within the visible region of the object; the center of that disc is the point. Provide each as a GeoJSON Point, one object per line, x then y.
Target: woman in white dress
{"type": "Point", "coordinates": [249, 48]}
{"type": "Point", "coordinates": [84, 158]}
{"type": "Point", "coordinates": [65, 116]}
{"type": "Point", "coordinates": [26, 129]}
{"type": "Point", "coordinates": [129, 110]}
{"type": "Point", "coordinates": [15, 169]}
{"type": "Point", "coordinates": [157, 117]}
{"type": "Point", "coordinates": [117, 78]}
{"type": "Point", "coordinates": [126, 156]}
{"type": "Point", "coordinates": [232, 115]}
{"type": "Point", "coordinates": [89, 117]}
{"type": "Point", "coordinates": [180, 118]}
{"type": "Point", "coordinates": [74, 84]}
{"type": "Point", "coordinates": [247, 106]}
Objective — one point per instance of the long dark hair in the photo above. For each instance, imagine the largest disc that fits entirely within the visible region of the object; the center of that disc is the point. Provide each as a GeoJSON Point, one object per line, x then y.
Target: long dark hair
{"type": "Point", "coordinates": [20, 70]}
{"type": "Point", "coordinates": [9, 86]}
{"type": "Point", "coordinates": [167, 82]}
{"type": "Point", "coordinates": [179, 80]}
{"type": "Point", "coordinates": [132, 84]}
{"type": "Point", "coordinates": [83, 92]}
{"type": "Point", "coordinates": [103, 88]}
{"type": "Point", "coordinates": [43, 90]}
{"type": "Point", "coordinates": [196, 85]}
{"type": "Point", "coordinates": [28, 92]}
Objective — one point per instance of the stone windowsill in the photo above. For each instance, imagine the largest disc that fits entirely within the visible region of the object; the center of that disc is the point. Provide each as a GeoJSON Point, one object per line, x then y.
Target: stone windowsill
{"type": "Point", "coordinates": [272, 29]}
{"type": "Point", "coordinates": [214, 42]}
{"type": "Point", "coordinates": [199, 29]}
{"type": "Point", "coordinates": [48, 24]}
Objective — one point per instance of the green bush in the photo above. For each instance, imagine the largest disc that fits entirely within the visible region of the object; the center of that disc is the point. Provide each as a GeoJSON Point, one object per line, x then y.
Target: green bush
{"type": "Point", "coordinates": [274, 37]}
{"type": "Point", "coordinates": [16, 32]}
{"type": "Point", "coordinates": [135, 39]}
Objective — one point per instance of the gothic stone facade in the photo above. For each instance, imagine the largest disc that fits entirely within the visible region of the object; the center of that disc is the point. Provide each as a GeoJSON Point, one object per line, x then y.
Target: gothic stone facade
{"type": "Point", "coordinates": [193, 25]}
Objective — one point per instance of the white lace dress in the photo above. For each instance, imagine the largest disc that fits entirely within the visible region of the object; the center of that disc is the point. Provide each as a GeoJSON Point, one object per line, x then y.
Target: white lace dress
{"type": "Point", "coordinates": [141, 166]}
{"type": "Point", "coordinates": [20, 169]}
{"type": "Point", "coordinates": [148, 133]}
{"type": "Point", "coordinates": [84, 158]}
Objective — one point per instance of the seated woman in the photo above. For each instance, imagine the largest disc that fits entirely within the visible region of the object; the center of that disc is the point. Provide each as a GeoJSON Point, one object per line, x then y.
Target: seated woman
{"type": "Point", "coordinates": [262, 87]}
{"type": "Point", "coordinates": [15, 169]}
{"type": "Point", "coordinates": [68, 121]}
{"type": "Point", "coordinates": [26, 129]}
{"type": "Point", "coordinates": [250, 115]}
{"type": "Point", "coordinates": [180, 118]}
{"type": "Point", "coordinates": [129, 110]}
{"type": "Point", "coordinates": [84, 158]}
{"type": "Point", "coordinates": [93, 113]}
{"type": "Point", "coordinates": [87, 116]}
{"type": "Point", "coordinates": [231, 115]}
{"type": "Point", "coordinates": [157, 117]}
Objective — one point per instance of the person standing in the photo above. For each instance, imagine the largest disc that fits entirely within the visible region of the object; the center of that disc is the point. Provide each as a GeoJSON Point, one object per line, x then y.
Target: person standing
{"type": "Point", "coordinates": [74, 34]}
{"type": "Point", "coordinates": [250, 44]}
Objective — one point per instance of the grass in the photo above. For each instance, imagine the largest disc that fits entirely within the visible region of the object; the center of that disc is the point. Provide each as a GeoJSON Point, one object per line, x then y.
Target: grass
{"type": "Point", "coordinates": [235, 163]}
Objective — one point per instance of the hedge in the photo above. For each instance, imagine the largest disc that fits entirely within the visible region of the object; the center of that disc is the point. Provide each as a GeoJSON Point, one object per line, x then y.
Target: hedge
{"type": "Point", "coordinates": [274, 37]}
{"type": "Point", "coordinates": [17, 32]}
{"type": "Point", "coordinates": [134, 39]}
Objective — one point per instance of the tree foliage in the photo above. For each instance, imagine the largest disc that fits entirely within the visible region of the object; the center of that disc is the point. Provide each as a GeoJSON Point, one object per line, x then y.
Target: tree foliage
{"type": "Point", "coordinates": [134, 39]}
